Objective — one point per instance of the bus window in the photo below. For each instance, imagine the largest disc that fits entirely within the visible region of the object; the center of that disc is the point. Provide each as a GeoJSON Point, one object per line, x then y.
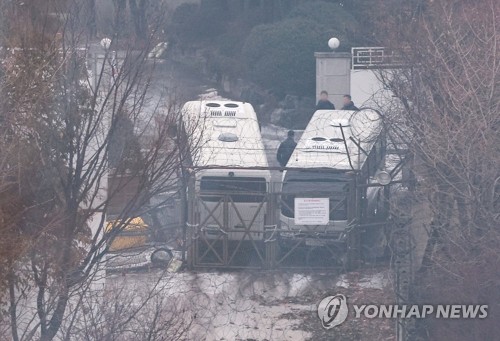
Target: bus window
{"type": "Point", "coordinates": [240, 189]}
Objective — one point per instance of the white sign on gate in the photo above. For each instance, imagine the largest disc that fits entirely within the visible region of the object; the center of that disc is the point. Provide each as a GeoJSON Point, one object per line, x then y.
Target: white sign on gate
{"type": "Point", "coordinates": [312, 211]}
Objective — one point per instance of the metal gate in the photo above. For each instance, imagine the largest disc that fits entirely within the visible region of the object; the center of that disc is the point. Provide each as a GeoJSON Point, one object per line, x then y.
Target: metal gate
{"type": "Point", "coordinates": [223, 234]}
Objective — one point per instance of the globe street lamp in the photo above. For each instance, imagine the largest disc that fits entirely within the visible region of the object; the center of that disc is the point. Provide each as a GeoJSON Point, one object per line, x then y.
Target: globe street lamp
{"type": "Point", "coordinates": [333, 43]}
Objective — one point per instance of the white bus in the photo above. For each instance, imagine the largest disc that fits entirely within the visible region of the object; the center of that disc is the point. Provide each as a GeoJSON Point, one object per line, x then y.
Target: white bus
{"type": "Point", "coordinates": [335, 145]}
{"type": "Point", "coordinates": [227, 145]}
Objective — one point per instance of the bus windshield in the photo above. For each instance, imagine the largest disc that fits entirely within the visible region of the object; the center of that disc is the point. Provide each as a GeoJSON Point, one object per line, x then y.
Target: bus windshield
{"type": "Point", "coordinates": [316, 184]}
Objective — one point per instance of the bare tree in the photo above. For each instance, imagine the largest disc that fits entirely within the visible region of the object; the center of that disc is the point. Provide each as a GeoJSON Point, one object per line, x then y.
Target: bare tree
{"type": "Point", "coordinates": [135, 18]}
{"type": "Point", "coordinates": [138, 10]}
{"type": "Point", "coordinates": [450, 101]}
{"type": "Point", "coordinates": [61, 146]}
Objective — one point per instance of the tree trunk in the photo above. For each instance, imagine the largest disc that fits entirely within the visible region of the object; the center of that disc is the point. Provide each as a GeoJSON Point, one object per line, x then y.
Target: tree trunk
{"type": "Point", "coordinates": [13, 305]}
{"type": "Point", "coordinates": [138, 13]}
{"type": "Point", "coordinates": [120, 6]}
{"type": "Point", "coordinates": [92, 25]}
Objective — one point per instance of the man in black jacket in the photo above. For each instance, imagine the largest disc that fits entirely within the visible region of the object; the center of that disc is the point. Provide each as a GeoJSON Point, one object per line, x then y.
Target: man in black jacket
{"type": "Point", "coordinates": [286, 149]}
{"type": "Point", "coordinates": [349, 104]}
{"type": "Point", "coordinates": [324, 103]}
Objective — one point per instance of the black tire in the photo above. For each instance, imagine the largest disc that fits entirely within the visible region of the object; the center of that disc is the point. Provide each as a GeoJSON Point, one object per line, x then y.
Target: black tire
{"type": "Point", "coordinates": [161, 256]}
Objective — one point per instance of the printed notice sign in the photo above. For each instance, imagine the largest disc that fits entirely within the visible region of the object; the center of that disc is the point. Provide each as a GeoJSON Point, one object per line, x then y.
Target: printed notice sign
{"type": "Point", "coordinates": [312, 211]}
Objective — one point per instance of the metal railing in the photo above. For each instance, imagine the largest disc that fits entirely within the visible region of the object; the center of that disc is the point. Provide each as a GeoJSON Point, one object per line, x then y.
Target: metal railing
{"type": "Point", "coordinates": [375, 58]}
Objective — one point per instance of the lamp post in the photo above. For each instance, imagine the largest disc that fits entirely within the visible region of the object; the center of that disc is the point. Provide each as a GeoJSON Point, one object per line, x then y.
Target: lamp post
{"type": "Point", "coordinates": [333, 43]}
{"type": "Point", "coordinates": [106, 43]}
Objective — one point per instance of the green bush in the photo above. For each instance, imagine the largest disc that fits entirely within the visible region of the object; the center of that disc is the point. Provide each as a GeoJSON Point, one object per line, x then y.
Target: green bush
{"type": "Point", "coordinates": [183, 23]}
{"type": "Point", "coordinates": [330, 16]}
{"type": "Point", "coordinates": [194, 23]}
{"type": "Point", "coordinates": [280, 56]}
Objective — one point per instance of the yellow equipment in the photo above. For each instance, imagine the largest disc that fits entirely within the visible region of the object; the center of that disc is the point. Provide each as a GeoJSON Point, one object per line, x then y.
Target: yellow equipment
{"type": "Point", "coordinates": [134, 234]}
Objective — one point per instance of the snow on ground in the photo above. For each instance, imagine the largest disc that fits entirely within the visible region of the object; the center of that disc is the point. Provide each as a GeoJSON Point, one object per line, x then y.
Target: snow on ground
{"type": "Point", "coordinates": [272, 136]}
{"type": "Point", "coordinates": [239, 305]}
{"type": "Point", "coordinates": [211, 94]}
{"type": "Point", "coordinates": [250, 305]}
{"type": "Point", "coordinates": [375, 281]}
{"type": "Point", "coordinates": [378, 280]}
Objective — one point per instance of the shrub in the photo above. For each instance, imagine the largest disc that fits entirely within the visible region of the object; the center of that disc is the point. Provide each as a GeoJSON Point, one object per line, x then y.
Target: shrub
{"type": "Point", "coordinates": [280, 56]}
{"type": "Point", "coordinates": [331, 17]}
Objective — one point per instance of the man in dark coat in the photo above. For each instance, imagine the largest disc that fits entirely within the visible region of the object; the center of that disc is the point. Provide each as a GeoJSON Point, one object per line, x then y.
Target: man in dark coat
{"type": "Point", "coordinates": [349, 104]}
{"type": "Point", "coordinates": [324, 103]}
{"type": "Point", "coordinates": [286, 149]}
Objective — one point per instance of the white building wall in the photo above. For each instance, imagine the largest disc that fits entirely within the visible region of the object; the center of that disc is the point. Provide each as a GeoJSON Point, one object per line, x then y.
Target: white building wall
{"type": "Point", "coordinates": [333, 75]}
{"type": "Point", "coordinates": [367, 90]}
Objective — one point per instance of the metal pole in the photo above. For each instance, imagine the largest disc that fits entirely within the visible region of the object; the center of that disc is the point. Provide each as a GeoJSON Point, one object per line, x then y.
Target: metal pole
{"type": "Point", "coordinates": [270, 239]}
{"type": "Point", "coordinates": [225, 242]}
{"type": "Point", "coordinates": [191, 224]}
{"type": "Point", "coordinates": [184, 213]}
{"type": "Point", "coordinates": [353, 220]}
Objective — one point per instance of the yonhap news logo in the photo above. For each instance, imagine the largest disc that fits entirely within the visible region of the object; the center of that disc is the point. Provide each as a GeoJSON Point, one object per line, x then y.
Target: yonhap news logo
{"type": "Point", "coordinates": [333, 311]}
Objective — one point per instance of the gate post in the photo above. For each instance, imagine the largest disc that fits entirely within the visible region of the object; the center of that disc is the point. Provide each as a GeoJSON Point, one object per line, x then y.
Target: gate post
{"type": "Point", "coordinates": [226, 227]}
{"type": "Point", "coordinates": [191, 224]}
{"type": "Point", "coordinates": [271, 246]}
{"type": "Point", "coordinates": [353, 247]}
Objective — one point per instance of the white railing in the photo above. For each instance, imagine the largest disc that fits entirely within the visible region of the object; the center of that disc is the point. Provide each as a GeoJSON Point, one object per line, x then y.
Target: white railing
{"type": "Point", "coordinates": [374, 57]}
